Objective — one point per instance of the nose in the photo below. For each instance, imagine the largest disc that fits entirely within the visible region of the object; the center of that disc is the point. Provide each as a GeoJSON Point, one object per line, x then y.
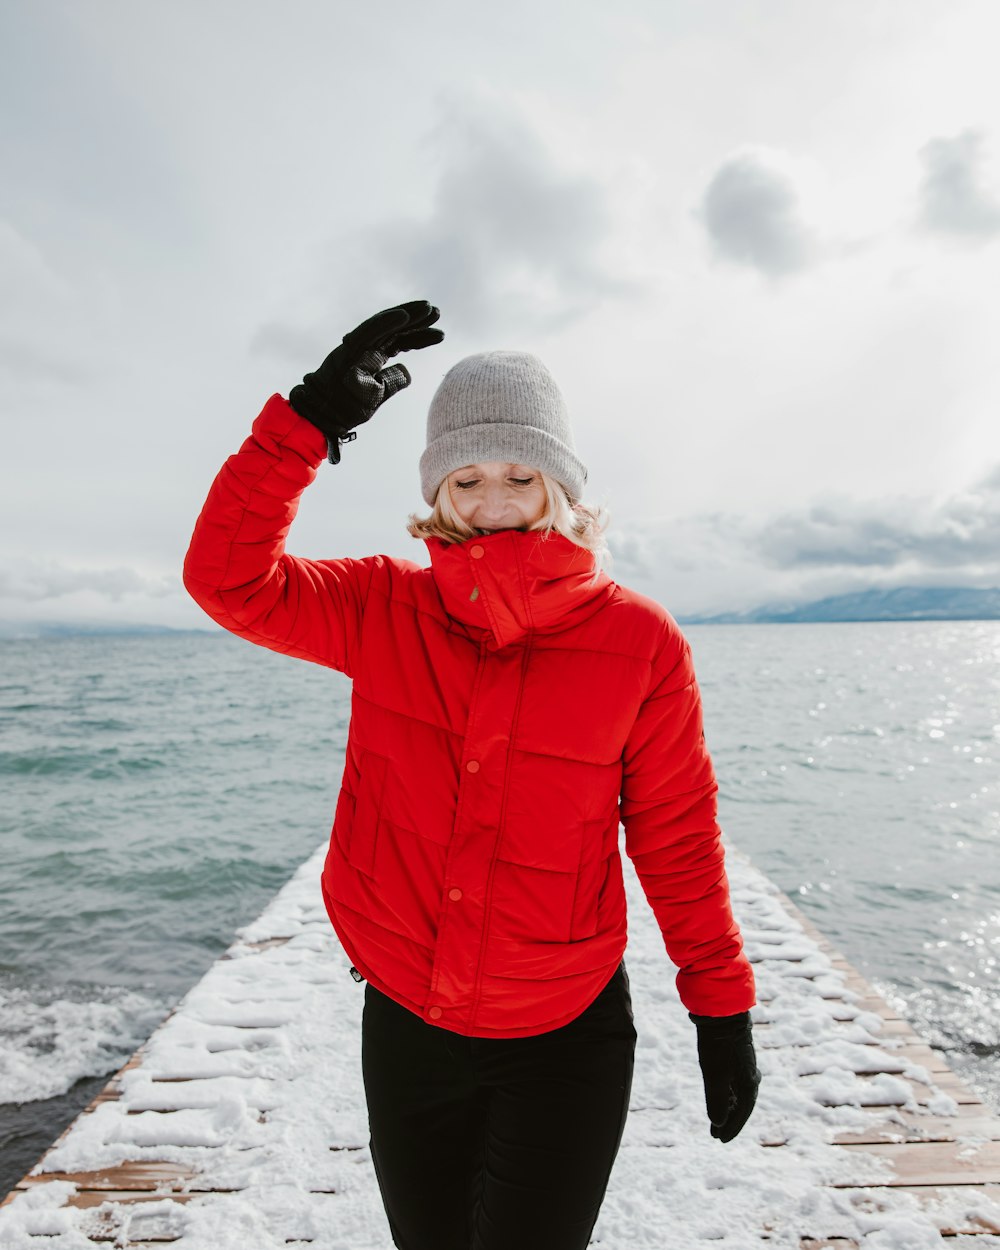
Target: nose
{"type": "Point", "coordinates": [493, 506]}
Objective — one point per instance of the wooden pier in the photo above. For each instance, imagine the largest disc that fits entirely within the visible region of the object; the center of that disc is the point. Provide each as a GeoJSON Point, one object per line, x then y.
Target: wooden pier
{"type": "Point", "coordinates": [934, 1157]}
{"type": "Point", "coordinates": [932, 1139]}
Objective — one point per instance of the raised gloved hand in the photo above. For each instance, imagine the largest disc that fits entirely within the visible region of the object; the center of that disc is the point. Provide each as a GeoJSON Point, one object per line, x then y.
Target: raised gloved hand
{"type": "Point", "coordinates": [353, 381]}
{"type": "Point", "coordinates": [729, 1068]}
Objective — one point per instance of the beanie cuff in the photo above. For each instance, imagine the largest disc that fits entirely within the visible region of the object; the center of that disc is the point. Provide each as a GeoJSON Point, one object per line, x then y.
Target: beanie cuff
{"type": "Point", "coordinates": [506, 442]}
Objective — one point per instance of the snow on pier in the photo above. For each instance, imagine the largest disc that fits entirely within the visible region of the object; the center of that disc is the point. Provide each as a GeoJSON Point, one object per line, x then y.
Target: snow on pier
{"type": "Point", "coordinates": [241, 1121]}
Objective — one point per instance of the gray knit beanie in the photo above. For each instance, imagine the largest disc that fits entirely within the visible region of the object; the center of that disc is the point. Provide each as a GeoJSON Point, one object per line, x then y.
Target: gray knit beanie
{"type": "Point", "coordinates": [500, 406]}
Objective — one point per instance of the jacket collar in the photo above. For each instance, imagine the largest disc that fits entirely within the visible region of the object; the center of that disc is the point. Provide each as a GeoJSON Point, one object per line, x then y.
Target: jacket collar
{"type": "Point", "coordinates": [517, 582]}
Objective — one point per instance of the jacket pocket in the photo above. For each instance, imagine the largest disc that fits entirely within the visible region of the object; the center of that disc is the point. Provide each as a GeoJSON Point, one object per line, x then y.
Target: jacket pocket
{"type": "Point", "coordinates": [590, 879]}
{"type": "Point", "coordinates": [367, 813]}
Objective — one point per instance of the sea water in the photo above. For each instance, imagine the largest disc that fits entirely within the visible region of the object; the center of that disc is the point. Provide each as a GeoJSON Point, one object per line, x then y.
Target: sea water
{"type": "Point", "coordinates": [157, 791]}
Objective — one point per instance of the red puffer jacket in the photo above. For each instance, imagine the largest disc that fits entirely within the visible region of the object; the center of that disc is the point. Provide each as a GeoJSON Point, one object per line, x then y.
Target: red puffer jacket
{"type": "Point", "coordinates": [507, 712]}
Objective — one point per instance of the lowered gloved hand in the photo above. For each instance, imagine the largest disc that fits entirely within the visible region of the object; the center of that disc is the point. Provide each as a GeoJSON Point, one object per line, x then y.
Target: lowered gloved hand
{"type": "Point", "coordinates": [353, 381]}
{"type": "Point", "coordinates": [729, 1068]}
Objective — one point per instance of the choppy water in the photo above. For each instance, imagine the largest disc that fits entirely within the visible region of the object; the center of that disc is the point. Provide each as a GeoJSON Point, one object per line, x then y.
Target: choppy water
{"type": "Point", "coordinates": [860, 768]}
{"type": "Point", "coordinates": [157, 791]}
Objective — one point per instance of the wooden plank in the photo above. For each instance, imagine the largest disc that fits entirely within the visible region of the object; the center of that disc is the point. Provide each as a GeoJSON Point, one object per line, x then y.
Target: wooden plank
{"type": "Point", "coordinates": [923, 1055]}
{"type": "Point", "coordinates": [893, 1031]}
{"type": "Point", "coordinates": [855, 982]}
{"type": "Point", "coordinates": [929, 1196]}
{"type": "Point", "coordinates": [968, 1121]}
{"type": "Point", "coordinates": [133, 1176]}
{"type": "Point", "coordinates": [949, 1083]}
{"type": "Point", "coordinates": [837, 959]}
{"type": "Point", "coordinates": [971, 1121]}
{"type": "Point", "coordinates": [915, 1052]}
{"type": "Point", "coordinates": [84, 1198]}
{"type": "Point", "coordinates": [112, 1091]}
{"type": "Point", "coordinates": [891, 1026]}
{"type": "Point", "coordinates": [833, 995]}
{"type": "Point", "coordinates": [897, 1027]}
{"type": "Point", "coordinates": [935, 1163]}
{"type": "Point", "coordinates": [944, 1082]}
{"type": "Point", "coordinates": [877, 1004]}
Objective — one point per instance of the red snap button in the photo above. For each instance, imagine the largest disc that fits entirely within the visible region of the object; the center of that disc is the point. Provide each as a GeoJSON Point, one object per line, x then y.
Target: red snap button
{"type": "Point", "coordinates": [473, 766]}
{"type": "Point", "coordinates": [435, 1013]}
{"type": "Point", "coordinates": [455, 894]}
{"type": "Point", "coordinates": [476, 552]}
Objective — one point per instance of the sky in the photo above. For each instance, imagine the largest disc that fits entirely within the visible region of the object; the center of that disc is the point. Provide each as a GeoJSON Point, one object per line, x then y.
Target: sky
{"type": "Point", "coordinates": [757, 244]}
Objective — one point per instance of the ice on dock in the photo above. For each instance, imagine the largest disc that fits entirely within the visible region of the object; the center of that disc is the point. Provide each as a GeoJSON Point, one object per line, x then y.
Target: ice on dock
{"type": "Point", "coordinates": [242, 1122]}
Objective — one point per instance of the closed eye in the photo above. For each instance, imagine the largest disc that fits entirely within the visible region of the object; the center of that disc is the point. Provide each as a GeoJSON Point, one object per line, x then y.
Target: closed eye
{"type": "Point", "coordinates": [518, 481]}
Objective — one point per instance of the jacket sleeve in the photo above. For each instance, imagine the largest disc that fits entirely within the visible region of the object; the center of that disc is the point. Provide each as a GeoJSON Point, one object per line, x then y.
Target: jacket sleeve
{"type": "Point", "coordinates": [668, 809]}
{"type": "Point", "coordinates": [236, 567]}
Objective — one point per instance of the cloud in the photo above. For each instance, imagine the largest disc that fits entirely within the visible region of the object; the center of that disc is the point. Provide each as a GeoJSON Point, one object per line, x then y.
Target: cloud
{"type": "Point", "coordinates": [725, 561]}
{"type": "Point", "coordinates": [955, 195]}
{"type": "Point", "coordinates": [963, 532]}
{"type": "Point", "coordinates": [691, 564]}
{"type": "Point", "coordinates": [25, 582]}
{"type": "Point", "coordinates": [753, 210]}
{"type": "Point", "coordinates": [513, 243]}
{"type": "Point", "coordinates": [513, 238]}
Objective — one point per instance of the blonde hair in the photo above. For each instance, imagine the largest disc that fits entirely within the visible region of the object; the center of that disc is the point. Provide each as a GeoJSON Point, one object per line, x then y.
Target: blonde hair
{"type": "Point", "coordinates": [581, 523]}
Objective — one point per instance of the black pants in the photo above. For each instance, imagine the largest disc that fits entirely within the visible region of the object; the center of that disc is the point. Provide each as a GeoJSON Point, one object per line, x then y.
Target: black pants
{"type": "Point", "coordinates": [496, 1143]}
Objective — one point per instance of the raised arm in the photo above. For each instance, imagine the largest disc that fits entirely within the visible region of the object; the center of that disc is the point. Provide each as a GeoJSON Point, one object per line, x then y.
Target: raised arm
{"type": "Point", "coordinates": [236, 566]}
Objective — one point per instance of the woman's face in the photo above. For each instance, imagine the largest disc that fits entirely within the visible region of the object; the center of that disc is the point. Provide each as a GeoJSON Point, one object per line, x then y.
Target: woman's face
{"type": "Point", "coordinates": [495, 496]}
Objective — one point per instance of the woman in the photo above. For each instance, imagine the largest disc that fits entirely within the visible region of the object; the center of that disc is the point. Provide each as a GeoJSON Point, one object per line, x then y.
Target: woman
{"type": "Point", "coordinates": [511, 706]}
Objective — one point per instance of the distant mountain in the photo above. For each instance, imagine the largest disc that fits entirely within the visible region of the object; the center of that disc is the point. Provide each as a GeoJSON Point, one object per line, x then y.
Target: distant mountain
{"type": "Point", "coordinates": [905, 603]}
{"type": "Point", "coordinates": [22, 630]}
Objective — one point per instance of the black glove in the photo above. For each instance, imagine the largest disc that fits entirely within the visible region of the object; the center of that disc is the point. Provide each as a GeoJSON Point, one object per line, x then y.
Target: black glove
{"type": "Point", "coordinates": [729, 1068]}
{"type": "Point", "coordinates": [353, 381]}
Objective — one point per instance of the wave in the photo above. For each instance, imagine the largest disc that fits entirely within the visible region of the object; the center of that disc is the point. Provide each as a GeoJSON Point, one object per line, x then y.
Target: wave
{"type": "Point", "coordinates": [100, 765]}
{"type": "Point", "coordinates": [49, 1042]}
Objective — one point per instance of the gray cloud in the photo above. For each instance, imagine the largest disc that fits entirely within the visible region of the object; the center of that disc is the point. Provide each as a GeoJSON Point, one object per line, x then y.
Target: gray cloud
{"type": "Point", "coordinates": [36, 583]}
{"type": "Point", "coordinates": [961, 532]}
{"type": "Point", "coordinates": [512, 240]}
{"type": "Point", "coordinates": [954, 197]}
{"type": "Point", "coordinates": [752, 212]}
{"type": "Point", "coordinates": [832, 535]}
{"type": "Point", "coordinates": [725, 561]}
{"type": "Point", "coordinates": [511, 244]}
